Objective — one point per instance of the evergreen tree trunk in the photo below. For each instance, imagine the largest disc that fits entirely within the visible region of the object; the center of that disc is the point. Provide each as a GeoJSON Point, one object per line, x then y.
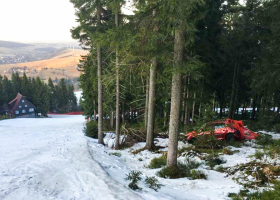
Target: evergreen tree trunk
{"type": "Point", "coordinates": [254, 108]}
{"type": "Point", "coordinates": [233, 92]}
{"type": "Point", "coordinates": [117, 89]}
{"type": "Point", "coordinates": [147, 104]}
{"type": "Point", "coordinates": [184, 81]}
{"type": "Point", "coordinates": [186, 121]}
{"type": "Point", "coordinates": [151, 111]}
{"type": "Point", "coordinates": [100, 90]}
{"type": "Point", "coordinates": [165, 115]}
{"type": "Point", "coordinates": [94, 111]}
{"type": "Point", "coordinates": [222, 104]}
{"type": "Point", "coordinates": [112, 119]}
{"type": "Point", "coordinates": [193, 109]}
{"type": "Point", "coordinates": [175, 96]}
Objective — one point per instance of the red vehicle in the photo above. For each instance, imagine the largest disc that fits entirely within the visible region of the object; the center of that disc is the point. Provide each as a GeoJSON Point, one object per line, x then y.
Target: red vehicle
{"type": "Point", "coordinates": [224, 130]}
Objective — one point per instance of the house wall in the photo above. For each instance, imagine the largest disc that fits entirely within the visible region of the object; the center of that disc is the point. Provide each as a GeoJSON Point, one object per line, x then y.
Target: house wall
{"type": "Point", "coordinates": [24, 107]}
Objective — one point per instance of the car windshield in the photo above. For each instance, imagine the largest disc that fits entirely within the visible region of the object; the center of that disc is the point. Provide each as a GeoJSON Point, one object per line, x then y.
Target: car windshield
{"type": "Point", "coordinates": [217, 126]}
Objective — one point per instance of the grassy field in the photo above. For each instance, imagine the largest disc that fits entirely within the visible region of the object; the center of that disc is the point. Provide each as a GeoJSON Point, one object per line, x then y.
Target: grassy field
{"type": "Point", "coordinates": [62, 66]}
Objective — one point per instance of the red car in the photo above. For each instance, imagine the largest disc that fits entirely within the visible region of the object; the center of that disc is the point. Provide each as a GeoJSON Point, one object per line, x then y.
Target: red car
{"type": "Point", "coordinates": [224, 130]}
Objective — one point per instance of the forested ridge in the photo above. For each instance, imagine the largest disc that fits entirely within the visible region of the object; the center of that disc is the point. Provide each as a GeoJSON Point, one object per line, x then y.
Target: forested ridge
{"type": "Point", "coordinates": [174, 63]}
{"type": "Point", "coordinates": [58, 98]}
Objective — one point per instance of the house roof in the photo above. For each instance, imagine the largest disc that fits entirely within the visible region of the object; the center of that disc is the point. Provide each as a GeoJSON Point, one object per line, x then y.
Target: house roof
{"type": "Point", "coordinates": [14, 103]}
{"type": "Point", "coordinates": [16, 100]}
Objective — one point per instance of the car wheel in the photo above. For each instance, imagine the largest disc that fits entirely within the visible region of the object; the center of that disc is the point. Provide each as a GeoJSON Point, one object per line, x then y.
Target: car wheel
{"type": "Point", "coordinates": [230, 137]}
{"type": "Point", "coordinates": [191, 141]}
{"type": "Point", "coordinates": [237, 135]}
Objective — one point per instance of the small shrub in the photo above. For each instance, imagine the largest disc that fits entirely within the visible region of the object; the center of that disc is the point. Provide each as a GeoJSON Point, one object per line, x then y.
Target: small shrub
{"type": "Point", "coordinates": [115, 154]}
{"type": "Point", "coordinates": [140, 159]}
{"type": "Point", "coordinates": [264, 139]}
{"type": "Point", "coordinates": [198, 174]}
{"type": "Point", "coordinates": [91, 129]}
{"type": "Point", "coordinates": [192, 164]}
{"type": "Point", "coordinates": [158, 162]}
{"type": "Point", "coordinates": [152, 182]}
{"type": "Point", "coordinates": [213, 161]}
{"type": "Point", "coordinates": [182, 170]}
{"type": "Point", "coordinates": [134, 177]}
{"type": "Point", "coordinates": [171, 172]}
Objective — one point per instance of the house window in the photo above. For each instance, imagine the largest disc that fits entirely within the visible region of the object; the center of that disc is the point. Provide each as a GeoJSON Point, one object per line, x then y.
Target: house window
{"type": "Point", "coordinates": [17, 112]}
{"type": "Point", "coordinates": [22, 101]}
{"type": "Point", "coordinates": [23, 111]}
{"type": "Point", "coordinates": [31, 109]}
{"type": "Point", "coordinates": [25, 106]}
{"type": "Point", "coordinates": [19, 106]}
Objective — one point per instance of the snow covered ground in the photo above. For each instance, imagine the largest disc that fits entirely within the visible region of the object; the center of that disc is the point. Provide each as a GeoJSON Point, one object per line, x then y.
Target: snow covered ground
{"type": "Point", "coordinates": [49, 159]}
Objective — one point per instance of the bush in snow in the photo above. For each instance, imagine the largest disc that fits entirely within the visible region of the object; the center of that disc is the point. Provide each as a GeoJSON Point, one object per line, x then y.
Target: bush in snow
{"type": "Point", "coordinates": [212, 161]}
{"type": "Point", "coordinates": [91, 129]}
{"type": "Point", "coordinates": [183, 170]}
{"type": "Point", "coordinates": [264, 139]}
{"type": "Point", "coordinates": [134, 177]}
{"type": "Point", "coordinates": [152, 182]}
{"type": "Point", "coordinates": [158, 162]}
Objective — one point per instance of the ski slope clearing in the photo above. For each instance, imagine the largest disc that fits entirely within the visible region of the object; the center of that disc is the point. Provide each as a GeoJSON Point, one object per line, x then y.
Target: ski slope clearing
{"type": "Point", "coordinates": [49, 159]}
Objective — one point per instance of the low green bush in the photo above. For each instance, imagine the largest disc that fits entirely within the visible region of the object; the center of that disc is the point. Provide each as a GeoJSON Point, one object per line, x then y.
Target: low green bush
{"type": "Point", "coordinates": [91, 129]}
{"type": "Point", "coordinates": [158, 162]}
{"type": "Point", "coordinates": [182, 170]}
{"type": "Point", "coordinates": [153, 183]}
{"type": "Point", "coordinates": [213, 161]}
{"type": "Point", "coordinates": [171, 172]}
{"type": "Point", "coordinates": [198, 174]}
{"type": "Point", "coordinates": [264, 139]}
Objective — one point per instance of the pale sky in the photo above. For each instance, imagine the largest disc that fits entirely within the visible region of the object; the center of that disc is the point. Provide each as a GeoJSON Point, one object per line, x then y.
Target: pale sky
{"type": "Point", "coordinates": [36, 20]}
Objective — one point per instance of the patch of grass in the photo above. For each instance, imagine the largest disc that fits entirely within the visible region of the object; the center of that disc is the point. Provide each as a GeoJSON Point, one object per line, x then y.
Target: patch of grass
{"type": "Point", "coordinates": [158, 162]}
{"type": "Point", "coordinates": [153, 183]}
{"type": "Point", "coordinates": [134, 177]}
{"type": "Point", "coordinates": [259, 155]}
{"type": "Point", "coordinates": [115, 154]}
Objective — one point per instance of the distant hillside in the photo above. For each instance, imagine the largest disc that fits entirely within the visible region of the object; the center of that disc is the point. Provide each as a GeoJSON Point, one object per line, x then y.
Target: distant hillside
{"type": "Point", "coordinates": [14, 52]}
{"type": "Point", "coordinates": [62, 66]}
{"type": "Point", "coordinates": [7, 44]}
